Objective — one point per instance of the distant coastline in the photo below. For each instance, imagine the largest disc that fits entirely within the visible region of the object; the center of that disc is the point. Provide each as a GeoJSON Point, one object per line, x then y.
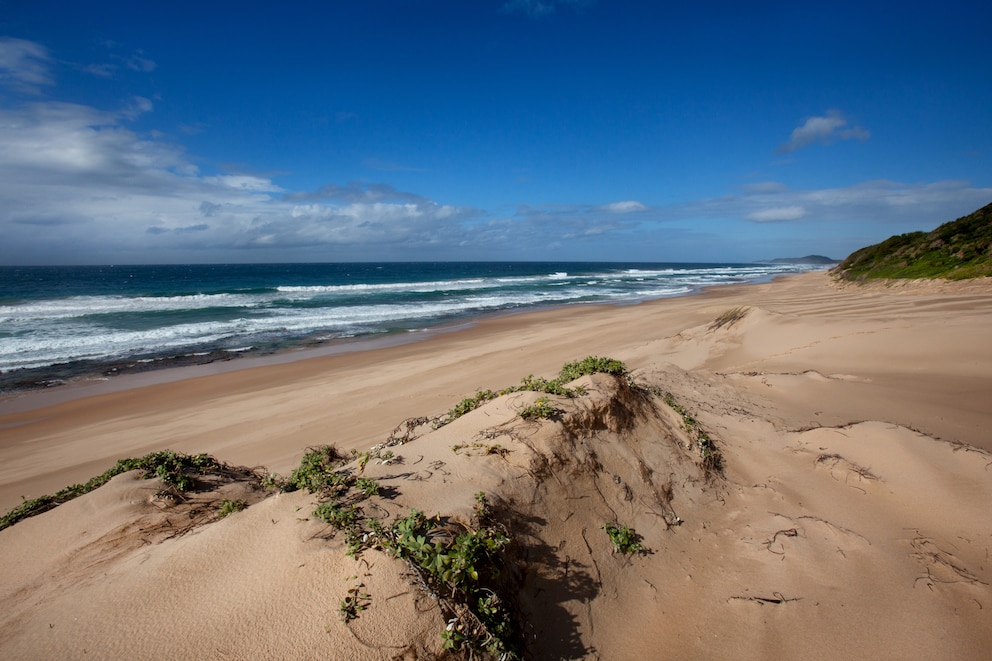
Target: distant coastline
{"type": "Point", "coordinates": [818, 260]}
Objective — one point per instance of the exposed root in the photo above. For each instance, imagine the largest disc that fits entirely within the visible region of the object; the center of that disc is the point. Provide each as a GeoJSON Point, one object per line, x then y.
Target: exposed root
{"type": "Point", "coordinates": [832, 461]}
{"type": "Point", "coordinates": [791, 532]}
{"type": "Point", "coordinates": [777, 598]}
{"type": "Point", "coordinates": [940, 566]}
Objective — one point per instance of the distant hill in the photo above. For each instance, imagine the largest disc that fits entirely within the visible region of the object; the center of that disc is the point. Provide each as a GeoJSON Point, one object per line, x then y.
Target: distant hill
{"type": "Point", "coordinates": [956, 250]}
{"type": "Point", "coordinates": [808, 259]}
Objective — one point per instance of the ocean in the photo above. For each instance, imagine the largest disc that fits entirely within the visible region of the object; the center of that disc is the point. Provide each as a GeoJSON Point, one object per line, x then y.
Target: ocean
{"type": "Point", "coordinates": [62, 323]}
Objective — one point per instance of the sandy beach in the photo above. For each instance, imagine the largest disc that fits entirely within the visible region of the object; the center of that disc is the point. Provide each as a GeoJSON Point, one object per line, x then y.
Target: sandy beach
{"type": "Point", "coordinates": [850, 517]}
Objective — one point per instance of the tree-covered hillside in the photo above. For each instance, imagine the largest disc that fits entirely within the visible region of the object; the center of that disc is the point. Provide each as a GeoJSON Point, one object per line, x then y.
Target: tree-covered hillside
{"type": "Point", "coordinates": [956, 250]}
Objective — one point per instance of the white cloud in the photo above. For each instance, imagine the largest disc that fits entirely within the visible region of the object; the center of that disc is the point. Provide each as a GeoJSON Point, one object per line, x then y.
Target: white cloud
{"type": "Point", "coordinates": [243, 182]}
{"type": "Point", "coordinates": [357, 192]}
{"type": "Point", "coordinates": [78, 185]}
{"type": "Point", "coordinates": [81, 184]}
{"type": "Point", "coordinates": [138, 106]}
{"type": "Point", "coordinates": [765, 187]}
{"type": "Point", "coordinates": [138, 62]}
{"type": "Point", "coordinates": [892, 206]}
{"type": "Point", "coordinates": [627, 206]}
{"type": "Point", "coordinates": [824, 130]}
{"type": "Point", "coordinates": [777, 214]}
{"type": "Point", "coordinates": [47, 142]}
{"type": "Point", "coordinates": [24, 65]}
{"type": "Point", "coordinates": [544, 225]}
{"type": "Point", "coordinates": [379, 225]}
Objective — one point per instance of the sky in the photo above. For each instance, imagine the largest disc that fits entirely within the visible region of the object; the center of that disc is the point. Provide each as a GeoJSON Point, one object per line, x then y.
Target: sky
{"type": "Point", "coordinates": [448, 130]}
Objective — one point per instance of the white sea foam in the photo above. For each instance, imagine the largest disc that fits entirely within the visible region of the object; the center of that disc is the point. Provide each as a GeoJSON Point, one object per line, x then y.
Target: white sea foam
{"type": "Point", "coordinates": [36, 334]}
{"type": "Point", "coordinates": [84, 306]}
{"type": "Point", "coordinates": [425, 287]}
{"type": "Point", "coordinates": [71, 342]}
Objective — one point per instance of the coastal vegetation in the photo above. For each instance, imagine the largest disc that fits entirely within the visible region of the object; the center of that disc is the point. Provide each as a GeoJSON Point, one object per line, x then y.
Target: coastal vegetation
{"type": "Point", "coordinates": [729, 318]}
{"type": "Point", "coordinates": [457, 564]}
{"type": "Point", "coordinates": [179, 472]}
{"type": "Point", "coordinates": [568, 373]}
{"type": "Point", "coordinates": [605, 501]}
{"type": "Point", "coordinates": [625, 539]}
{"type": "Point", "coordinates": [958, 250]}
{"type": "Point", "coordinates": [542, 409]}
{"type": "Point", "coordinates": [818, 260]}
{"type": "Point", "coordinates": [462, 569]}
{"type": "Point", "coordinates": [228, 506]}
{"type": "Point", "coordinates": [469, 565]}
{"type": "Point", "coordinates": [709, 454]}
{"type": "Point", "coordinates": [356, 601]}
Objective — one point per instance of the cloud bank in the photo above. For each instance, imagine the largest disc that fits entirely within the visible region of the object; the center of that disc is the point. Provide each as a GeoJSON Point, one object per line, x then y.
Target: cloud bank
{"type": "Point", "coordinates": [76, 180]}
{"type": "Point", "coordinates": [878, 203]}
{"type": "Point", "coordinates": [81, 184]}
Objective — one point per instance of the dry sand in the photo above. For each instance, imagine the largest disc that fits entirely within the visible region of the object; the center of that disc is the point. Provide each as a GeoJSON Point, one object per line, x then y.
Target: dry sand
{"type": "Point", "coordinates": [851, 520]}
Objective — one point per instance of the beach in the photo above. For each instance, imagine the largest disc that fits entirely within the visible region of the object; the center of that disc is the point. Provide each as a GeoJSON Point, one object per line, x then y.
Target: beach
{"type": "Point", "coordinates": [849, 517]}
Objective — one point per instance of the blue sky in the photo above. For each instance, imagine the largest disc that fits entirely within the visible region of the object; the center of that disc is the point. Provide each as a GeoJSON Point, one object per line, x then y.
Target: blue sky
{"type": "Point", "coordinates": [180, 132]}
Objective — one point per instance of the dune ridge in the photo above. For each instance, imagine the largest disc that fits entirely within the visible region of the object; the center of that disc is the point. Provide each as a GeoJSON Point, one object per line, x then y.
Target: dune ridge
{"type": "Point", "coordinates": [846, 517]}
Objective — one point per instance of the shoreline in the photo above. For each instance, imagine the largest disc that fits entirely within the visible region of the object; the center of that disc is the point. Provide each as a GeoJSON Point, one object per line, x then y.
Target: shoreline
{"type": "Point", "coordinates": [99, 382]}
{"type": "Point", "coordinates": [96, 383]}
{"type": "Point", "coordinates": [76, 416]}
{"type": "Point", "coordinates": [846, 512]}
{"type": "Point", "coordinates": [220, 313]}
{"type": "Point", "coordinates": [372, 390]}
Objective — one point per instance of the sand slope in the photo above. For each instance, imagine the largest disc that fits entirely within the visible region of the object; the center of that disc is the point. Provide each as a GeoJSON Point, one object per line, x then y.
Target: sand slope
{"type": "Point", "coordinates": [850, 519]}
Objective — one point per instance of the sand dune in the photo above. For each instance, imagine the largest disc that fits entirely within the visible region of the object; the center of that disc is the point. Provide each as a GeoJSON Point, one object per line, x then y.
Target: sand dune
{"type": "Point", "coordinates": [847, 516]}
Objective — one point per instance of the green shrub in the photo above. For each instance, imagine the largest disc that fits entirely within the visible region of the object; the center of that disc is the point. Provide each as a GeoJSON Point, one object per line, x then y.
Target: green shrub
{"type": "Point", "coordinates": [460, 565]}
{"type": "Point", "coordinates": [175, 469]}
{"type": "Point", "coordinates": [591, 365]}
{"type": "Point", "coordinates": [471, 403]}
{"type": "Point", "coordinates": [367, 486]}
{"type": "Point", "coordinates": [625, 540]}
{"type": "Point", "coordinates": [539, 409]}
{"type": "Point", "coordinates": [357, 600]}
{"type": "Point", "coordinates": [411, 539]}
{"type": "Point", "coordinates": [710, 454]}
{"type": "Point", "coordinates": [553, 387]}
{"type": "Point", "coordinates": [483, 508]}
{"type": "Point", "coordinates": [178, 470]}
{"type": "Point", "coordinates": [336, 514]}
{"type": "Point", "coordinates": [569, 372]}
{"type": "Point", "coordinates": [956, 250]}
{"type": "Point", "coordinates": [228, 506]}
{"type": "Point", "coordinates": [318, 471]}
{"type": "Point", "coordinates": [276, 482]}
